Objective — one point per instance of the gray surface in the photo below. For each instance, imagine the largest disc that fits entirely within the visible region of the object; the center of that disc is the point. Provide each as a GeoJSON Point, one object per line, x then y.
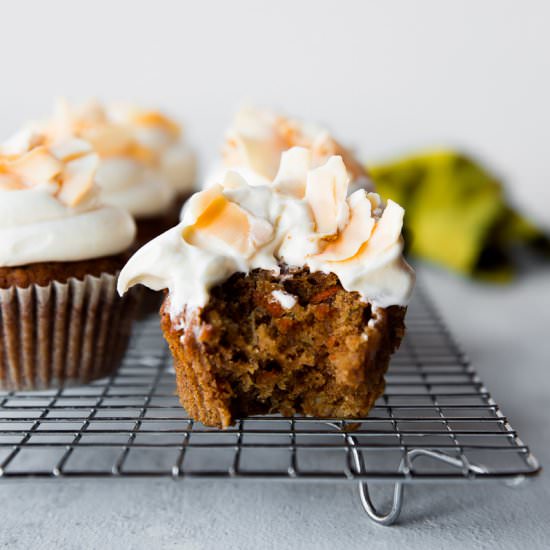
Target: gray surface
{"type": "Point", "coordinates": [504, 330]}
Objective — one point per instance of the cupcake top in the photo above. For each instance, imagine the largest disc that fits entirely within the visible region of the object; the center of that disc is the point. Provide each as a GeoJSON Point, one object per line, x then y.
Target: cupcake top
{"type": "Point", "coordinates": [254, 144]}
{"type": "Point", "coordinates": [144, 163]}
{"type": "Point", "coordinates": [50, 207]}
{"type": "Point", "coordinates": [303, 217]}
{"type": "Point", "coordinates": [165, 138]}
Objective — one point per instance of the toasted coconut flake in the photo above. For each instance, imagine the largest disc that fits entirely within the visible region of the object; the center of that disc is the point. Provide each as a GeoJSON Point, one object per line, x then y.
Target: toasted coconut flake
{"type": "Point", "coordinates": [258, 154]}
{"type": "Point", "coordinates": [78, 179]}
{"type": "Point", "coordinates": [109, 140]}
{"type": "Point", "coordinates": [199, 203]}
{"type": "Point", "coordinates": [143, 154]}
{"type": "Point", "coordinates": [71, 149]}
{"type": "Point", "coordinates": [292, 175]}
{"type": "Point", "coordinates": [356, 232]}
{"type": "Point", "coordinates": [154, 119]}
{"type": "Point", "coordinates": [256, 142]}
{"type": "Point", "coordinates": [210, 214]}
{"type": "Point", "coordinates": [69, 121]}
{"type": "Point", "coordinates": [224, 221]}
{"type": "Point", "coordinates": [22, 142]}
{"type": "Point", "coordinates": [326, 191]}
{"type": "Point", "coordinates": [65, 169]}
{"type": "Point", "coordinates": [109, 137]}
{"type": "Point", "coordinates": [36, 166]}
{"type": "Point", "coordinates": [386, 232]}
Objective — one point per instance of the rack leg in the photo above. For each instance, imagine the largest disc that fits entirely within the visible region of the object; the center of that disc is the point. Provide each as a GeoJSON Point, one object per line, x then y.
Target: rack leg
{"type": "Point", "coordinates": [382, 518]}
{"type": "Point", "coordinates": [391, 517]}
{"type": "Point", "coordinates": [411, 455]}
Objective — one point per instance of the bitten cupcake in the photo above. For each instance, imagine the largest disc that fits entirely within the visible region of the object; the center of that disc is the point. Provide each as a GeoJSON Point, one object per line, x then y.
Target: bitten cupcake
{"type": "Point", "coordinates": [257, 138]}
{"type": "Point", "coordinates": [61, 321]}
{"type": "Point", "coordinates": [145, 166]}
{"type": "Point", "coordinates": [285, 298]}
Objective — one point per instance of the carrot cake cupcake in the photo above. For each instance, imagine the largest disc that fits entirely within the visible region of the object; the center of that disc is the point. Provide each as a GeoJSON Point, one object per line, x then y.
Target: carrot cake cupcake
{"type": "Point", "coordinates": [281, 298]}
{"type": "Point", "coordinates": [61, 321]}
{"type": "Point", "coordinates": [257, 138]}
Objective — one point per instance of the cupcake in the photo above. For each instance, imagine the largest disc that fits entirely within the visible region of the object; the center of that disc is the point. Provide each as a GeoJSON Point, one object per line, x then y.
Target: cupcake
{"type": "Point", "coordinates": [283, 298]}
{"type": "Point", "coordinates": [61, 320]}
{"type": "Point", "coordinates": [145, 166]}
{"type": "Point", "coordinates": [257, 138]}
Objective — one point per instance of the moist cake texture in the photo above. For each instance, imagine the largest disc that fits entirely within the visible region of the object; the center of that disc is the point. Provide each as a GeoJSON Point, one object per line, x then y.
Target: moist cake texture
{"type": "Point", "coordinates": [244, 353]}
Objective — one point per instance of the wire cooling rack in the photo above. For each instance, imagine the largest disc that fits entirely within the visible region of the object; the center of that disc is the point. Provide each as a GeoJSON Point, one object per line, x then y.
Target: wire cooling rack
{"type": "Point", "coordinates": [435, 422]}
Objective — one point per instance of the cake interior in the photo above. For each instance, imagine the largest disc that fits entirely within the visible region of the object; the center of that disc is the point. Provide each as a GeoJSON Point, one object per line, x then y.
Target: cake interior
{"type": "Point", "coordinates": [247, 352]}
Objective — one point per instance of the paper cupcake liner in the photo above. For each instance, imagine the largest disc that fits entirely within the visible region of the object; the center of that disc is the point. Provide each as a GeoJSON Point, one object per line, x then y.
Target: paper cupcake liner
{"type": "Point", "coordinates": [63, 333]}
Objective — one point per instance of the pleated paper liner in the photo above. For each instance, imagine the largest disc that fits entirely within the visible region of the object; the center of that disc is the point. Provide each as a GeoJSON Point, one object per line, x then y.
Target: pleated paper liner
{"type": "Point", "coordinates": [64, 333]}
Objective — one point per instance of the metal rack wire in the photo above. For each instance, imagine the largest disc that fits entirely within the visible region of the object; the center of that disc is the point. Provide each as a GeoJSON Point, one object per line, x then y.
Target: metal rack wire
{"type": "Point", "coordinates": [435, 422]}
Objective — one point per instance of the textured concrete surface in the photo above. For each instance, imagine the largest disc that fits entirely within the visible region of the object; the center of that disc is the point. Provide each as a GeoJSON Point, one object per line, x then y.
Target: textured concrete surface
{"type": "Point", "coordinates": [505, 331]}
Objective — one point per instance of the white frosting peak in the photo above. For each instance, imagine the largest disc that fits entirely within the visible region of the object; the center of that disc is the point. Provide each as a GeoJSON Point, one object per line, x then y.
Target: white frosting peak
{"type": "Point", "coordinates": [303, 218]}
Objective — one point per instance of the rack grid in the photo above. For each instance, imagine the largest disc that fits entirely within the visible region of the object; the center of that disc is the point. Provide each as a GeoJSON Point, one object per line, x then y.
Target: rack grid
{"type": "Point", "coordinates": [435, 422]}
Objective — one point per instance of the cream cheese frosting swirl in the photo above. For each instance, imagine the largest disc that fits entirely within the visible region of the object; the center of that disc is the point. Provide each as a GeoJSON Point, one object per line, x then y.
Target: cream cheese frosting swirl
{"type": "Point", "coordinates": [160, 134]}
{"type": "Point", "coordinates": [50, 207]}
{"type": "Point", "coordinates": [303, 217]}
{"type": "Point", "coordinates": [257, 138]}
{"type": "Point", "coordinates": [144, 162]}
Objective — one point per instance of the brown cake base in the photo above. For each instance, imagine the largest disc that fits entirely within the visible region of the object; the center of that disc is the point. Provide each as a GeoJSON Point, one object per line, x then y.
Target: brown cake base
{"type": "Point", "coordinates": [42, 273]}
{"type": "Point", "coordinates": [245, 354]}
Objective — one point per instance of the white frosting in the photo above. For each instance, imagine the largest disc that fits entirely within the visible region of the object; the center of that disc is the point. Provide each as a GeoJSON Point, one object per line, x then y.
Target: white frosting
{"type": "Point", "coordinates": [72, 236]}
{"type": "Point", "coordinates": [302, 219]}
{"type": "Point", "coordinates": [144, 161]}
{"type": "Point", "coordinates": [50, 209]}
{"type": "Point", "coordinates": [284, 299]}
{"type": "Point", "coordinates": [134, 187]}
